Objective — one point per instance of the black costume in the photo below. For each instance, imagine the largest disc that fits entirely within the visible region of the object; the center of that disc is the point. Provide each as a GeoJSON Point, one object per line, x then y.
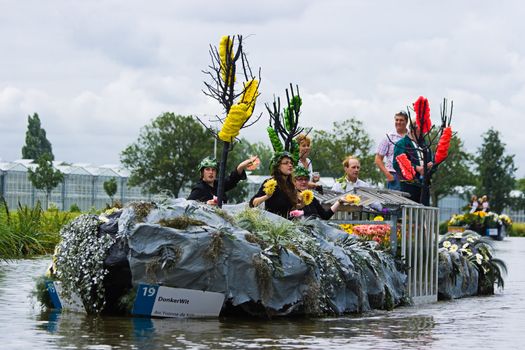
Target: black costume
{"type": "Point", "coordinates": [316, 209]}
{"type": "Point", "coordinates": [278, 203]}
{"type": "Point", "coordinates": [203, 192]}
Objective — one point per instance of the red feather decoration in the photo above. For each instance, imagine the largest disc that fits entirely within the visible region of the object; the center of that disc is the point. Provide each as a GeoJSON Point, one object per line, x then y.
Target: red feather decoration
{"type": "Point", "coordinates": [422, 110]}
{"type": "Point", "coordinates": [406, 167]}
{"type": "Point", "coordinates": [443, 145]}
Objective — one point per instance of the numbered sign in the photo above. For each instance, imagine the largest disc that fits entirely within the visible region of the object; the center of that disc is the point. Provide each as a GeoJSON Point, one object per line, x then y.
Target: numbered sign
{"type": "Point", "coordinates": [160, 301]}
{"type": "Point", "coordinates": [73, 303]}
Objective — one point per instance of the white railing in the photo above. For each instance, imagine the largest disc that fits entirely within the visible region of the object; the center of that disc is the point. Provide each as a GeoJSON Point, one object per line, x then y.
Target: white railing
{"type": "Point", "coordinates": [419, 250]}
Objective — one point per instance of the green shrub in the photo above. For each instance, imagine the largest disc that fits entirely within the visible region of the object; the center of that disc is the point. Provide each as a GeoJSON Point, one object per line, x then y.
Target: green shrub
{"type": "Point", "coordinates": [30, 231]}
{"type": "Point", "coordinates": [443, 227]}
{"type": "Point", "coordinates": [517, 229]}
{"type": "Point", "coordinates": [74, 208]}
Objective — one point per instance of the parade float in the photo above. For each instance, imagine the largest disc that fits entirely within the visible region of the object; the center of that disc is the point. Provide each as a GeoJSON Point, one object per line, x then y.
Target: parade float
{"type": "Point", "coordinates": [487, 224]}
{"type": "Point", "coordinates": [180, 258]}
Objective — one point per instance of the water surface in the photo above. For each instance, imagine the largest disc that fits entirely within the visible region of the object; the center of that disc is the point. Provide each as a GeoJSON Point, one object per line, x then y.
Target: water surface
{"type": "Point", "coordinates": [493, 322]}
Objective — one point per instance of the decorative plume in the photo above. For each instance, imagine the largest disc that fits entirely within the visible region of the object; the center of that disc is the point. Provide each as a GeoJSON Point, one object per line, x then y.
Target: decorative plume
{"type": "Point", "coordinates": [406, 167]}
{"type": "Point", "coordinates": [225, 47]}
{"type": "Point", "coordinates": [240, 112]}
{"type": "Point", "coordinates": [443, 145]}
{"type": "Point", "coordinates": [422, 110]}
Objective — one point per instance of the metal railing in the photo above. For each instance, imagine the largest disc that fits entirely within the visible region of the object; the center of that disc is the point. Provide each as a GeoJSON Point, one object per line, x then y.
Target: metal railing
{"type": "Point", "coordinates": [419, 250]}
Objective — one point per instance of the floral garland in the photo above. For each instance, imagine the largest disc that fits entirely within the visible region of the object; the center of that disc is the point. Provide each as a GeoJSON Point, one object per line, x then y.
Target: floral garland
{"type": "Point", "coordinates": [270, 186]}
{"type": "Point", "coordinates": [80, 261]}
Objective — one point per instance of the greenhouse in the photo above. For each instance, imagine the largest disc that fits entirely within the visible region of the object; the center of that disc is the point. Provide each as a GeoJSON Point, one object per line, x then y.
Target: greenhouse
{"type": "Point", "coordinates": [83, 185]}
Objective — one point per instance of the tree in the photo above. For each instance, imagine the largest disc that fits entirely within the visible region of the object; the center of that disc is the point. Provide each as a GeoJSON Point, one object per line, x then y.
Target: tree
{"type": "Point", "coordinates": [37, 143]}
{"type": "Point", "coordinates": [45, 177]}
{"type": "Point", "coordinates": [110, 187]}
{"type": "Point", "coordinates": [496, 171]}
{"type": "Point", "coordinates": [329, 149]}
{"type": "Point", "coordinates": [166, 154]}
{"type": "Point", "coordinates": [456, 171]}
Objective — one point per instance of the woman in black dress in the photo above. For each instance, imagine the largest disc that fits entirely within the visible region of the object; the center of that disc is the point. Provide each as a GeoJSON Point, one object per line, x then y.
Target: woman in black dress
{"type": "Point", "coordinates": [284, 198]}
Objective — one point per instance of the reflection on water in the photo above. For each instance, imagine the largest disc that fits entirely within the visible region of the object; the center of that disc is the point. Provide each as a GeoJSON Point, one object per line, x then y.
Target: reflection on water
{"type": "Point", "coordinates": [491, 322]}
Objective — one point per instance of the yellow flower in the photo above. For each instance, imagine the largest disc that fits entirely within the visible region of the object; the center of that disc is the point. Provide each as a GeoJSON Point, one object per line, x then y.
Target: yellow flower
{"type": "Point", "coordinates": [353, 199]}
{"type": "Point", "coordinates": [269, 186]}
{"type": "Point", "coordinates": [453, 248]}
{"type": "Point", "coordinates": [308, 197]}
{"type": "Point", "coordinates": [379, 218]}
{"type": "Point", "coordinates": [348, 228]}
{"type": "Point", "coordinates": [225, 45]}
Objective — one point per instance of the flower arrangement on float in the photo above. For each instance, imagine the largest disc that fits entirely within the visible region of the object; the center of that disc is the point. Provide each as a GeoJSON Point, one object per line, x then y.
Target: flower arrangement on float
{"type": "Point", "coordinates": [478, 251]}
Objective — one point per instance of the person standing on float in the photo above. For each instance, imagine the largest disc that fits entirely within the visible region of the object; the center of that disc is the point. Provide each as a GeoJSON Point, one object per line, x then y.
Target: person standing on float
{"type": "Point", "coordinates": [350, 179]}
{"type": "Point", "coordinates": [385, 151]}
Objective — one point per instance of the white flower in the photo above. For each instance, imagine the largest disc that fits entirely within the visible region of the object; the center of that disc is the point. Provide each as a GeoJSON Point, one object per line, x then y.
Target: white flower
{"type": "Point", "coordinates": [470, 239]}
{"type": "Point", "coordinates": [453, 248]}
{"type": "Point", "coordinates": [458, 235]}
{"type": "Point", "coordinates": [447, 244]}
{"type": "Point", "coordinates": [479, 258]}
{"type": "Point", "coordinates": [465, 246]}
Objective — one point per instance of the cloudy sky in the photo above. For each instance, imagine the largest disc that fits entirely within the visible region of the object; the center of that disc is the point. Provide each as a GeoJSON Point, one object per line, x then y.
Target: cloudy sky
{"type": "Point", "coordinates": [98, 71]}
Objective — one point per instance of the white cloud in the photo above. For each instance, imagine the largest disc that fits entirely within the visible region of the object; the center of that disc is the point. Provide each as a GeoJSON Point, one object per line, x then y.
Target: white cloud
{"type": "Point", "coordinates": [96, 72]}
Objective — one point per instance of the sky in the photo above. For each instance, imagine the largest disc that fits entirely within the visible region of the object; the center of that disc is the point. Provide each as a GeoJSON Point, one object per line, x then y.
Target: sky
{"type": "Point", "coordinates": [96, 72]}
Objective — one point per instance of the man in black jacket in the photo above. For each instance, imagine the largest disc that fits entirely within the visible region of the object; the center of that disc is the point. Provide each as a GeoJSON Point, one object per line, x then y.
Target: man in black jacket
{"type": "Point", "coordinates": [206, 189]}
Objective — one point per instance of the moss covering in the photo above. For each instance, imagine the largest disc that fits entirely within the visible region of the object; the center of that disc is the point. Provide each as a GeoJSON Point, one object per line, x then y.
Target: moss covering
{"type": "Point", "coordinates": [181, 222]}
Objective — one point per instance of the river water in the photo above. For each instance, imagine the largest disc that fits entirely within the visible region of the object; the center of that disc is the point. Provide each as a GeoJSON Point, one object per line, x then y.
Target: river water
{"type": "Point", "coordinates": [493, 322]}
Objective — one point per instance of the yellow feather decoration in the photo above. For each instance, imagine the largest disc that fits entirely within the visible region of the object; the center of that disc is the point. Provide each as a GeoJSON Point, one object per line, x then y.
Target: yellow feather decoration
{"type": "Point", "coordinates": [225, 45]}
{"type": "Point", "coordinates": [269, 186]}
{"type": "Point", "coordinates": [308, 197]}
{"type": "Point", "coordinates": [240, 112]}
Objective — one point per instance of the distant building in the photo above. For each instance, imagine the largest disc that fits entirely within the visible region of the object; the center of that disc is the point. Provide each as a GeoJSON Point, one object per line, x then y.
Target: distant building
{"type": "Point", "coordinates": [83, 185]}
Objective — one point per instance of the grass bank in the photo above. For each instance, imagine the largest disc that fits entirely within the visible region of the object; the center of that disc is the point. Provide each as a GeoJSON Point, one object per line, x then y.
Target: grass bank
{"type": "Point", "coordinates": [517, 229]}
{"type": "Point", "coordinates": [29, 231]}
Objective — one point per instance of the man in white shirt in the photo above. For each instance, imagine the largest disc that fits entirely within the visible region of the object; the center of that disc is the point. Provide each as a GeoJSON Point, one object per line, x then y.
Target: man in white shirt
{"type": "Point", "coordinates": [350, 179]}
{"type": "Point", "coordinates": [385, 151]}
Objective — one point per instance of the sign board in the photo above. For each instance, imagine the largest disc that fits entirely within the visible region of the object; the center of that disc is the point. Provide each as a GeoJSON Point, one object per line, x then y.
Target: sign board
{"type": "Point", "coordinates": [73, 303]}
{"type": "Point", "coordinates": [492, 232]}
{"type": "Point", "coordinates": [161, 301]}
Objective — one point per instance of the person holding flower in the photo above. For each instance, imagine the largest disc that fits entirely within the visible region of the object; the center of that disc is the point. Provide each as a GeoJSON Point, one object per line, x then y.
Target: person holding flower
{"type": "Point", "coordinates": [278, 193]}
{"type": "Point", "coordinates": [206, 189]}
{"type": "Point", "coordinates": [310, 205]}
{"type": "Point", "coordinates": [350, 179]}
